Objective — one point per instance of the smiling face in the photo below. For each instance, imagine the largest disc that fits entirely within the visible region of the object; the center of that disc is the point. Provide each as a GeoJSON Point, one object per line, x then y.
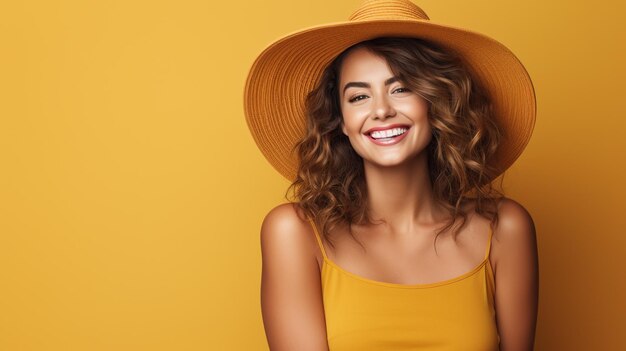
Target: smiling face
{"type": "Point", "coordinates": [386, 123]}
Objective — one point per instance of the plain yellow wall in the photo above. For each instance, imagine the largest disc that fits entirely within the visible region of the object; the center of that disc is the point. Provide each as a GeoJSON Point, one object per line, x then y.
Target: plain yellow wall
{"type": "Point", "coordinates": [132, 194]}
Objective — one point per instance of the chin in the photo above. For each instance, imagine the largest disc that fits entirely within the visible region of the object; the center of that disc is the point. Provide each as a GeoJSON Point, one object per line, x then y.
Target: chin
{"type": "Point", "coordinates": [386, 162]}
{"type": "Point", "coordinates": [392, 160]}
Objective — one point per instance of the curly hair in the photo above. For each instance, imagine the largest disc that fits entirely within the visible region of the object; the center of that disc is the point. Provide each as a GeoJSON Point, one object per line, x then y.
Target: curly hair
{"type": "Point", "coordinates": [330, 183]}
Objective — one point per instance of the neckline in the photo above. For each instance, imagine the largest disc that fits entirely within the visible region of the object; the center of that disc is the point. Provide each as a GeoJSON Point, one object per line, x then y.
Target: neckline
{"type": "Point", "coordinates": [326, 261]}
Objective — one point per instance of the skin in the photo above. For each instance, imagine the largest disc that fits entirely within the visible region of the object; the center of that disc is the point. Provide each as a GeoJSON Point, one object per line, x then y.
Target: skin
{"type": "Point", "coordinates": [400, 250]}
{"type": "Point", "coordinates": [391, 171]}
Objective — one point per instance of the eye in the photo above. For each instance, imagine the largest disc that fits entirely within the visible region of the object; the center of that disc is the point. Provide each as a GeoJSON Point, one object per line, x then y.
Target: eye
{"type": "Point", "coordinates": [357, 98]}
{"type": "Point", "coordinates": [401, 90]}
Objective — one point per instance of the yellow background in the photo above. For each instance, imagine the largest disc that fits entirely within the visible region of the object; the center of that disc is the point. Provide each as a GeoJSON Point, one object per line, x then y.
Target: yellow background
{"type": "Point", "coordinates": [131, 192]}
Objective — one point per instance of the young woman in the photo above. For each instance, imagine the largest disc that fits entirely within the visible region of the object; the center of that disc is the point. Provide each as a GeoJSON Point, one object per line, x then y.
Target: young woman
{"type": "Point", "coordinates": [395, 239]}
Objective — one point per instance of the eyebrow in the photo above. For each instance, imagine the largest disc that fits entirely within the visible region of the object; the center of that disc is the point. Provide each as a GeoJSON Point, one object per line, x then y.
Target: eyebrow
{"type": "Point", "coordinates": [367, 85]}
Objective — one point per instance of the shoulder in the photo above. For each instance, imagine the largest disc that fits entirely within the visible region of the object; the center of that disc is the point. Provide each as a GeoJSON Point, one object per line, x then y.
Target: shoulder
{"type": "Point", "coordinates": [285, 215]}
{"type": "Point", "coordinates": [291, 299]}
{"type": "Point", "coordinates": [285, 221]}
{"type": "Point", "coordinates": [514, 234]}
{"type": "Point", "coordinates": [286, 231]}
{"type": "Point", "coordinates": [516, 276]}
{"type": "Point", "coordinates": [514, 221]}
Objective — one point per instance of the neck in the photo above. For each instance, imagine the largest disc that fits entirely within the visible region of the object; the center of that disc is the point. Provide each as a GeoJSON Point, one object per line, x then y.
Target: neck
{"type": "Point", "coordinates": [402, 195]}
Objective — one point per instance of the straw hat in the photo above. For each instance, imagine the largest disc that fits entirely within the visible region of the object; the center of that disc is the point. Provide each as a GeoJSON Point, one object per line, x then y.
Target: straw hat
{"type": "Point", "coordinates": [283, 74]}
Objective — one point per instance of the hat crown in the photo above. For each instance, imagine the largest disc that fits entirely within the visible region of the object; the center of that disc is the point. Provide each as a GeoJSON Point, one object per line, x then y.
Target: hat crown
{"type": "Point", "coordinates": [388, 9]}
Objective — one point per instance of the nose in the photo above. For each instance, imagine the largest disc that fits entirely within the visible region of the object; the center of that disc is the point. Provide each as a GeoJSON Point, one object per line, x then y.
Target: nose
{"type": "Point", "coordinates": [382, 108]}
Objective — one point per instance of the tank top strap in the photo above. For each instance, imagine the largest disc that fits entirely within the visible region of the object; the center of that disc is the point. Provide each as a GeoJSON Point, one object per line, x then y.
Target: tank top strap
{"type": "Point", "coordinates": [318, 238]}
{"type": "Point", "coordinates": [488, 243]}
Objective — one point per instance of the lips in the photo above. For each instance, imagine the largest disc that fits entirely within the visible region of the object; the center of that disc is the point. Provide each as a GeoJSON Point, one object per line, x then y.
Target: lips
{"type": "Point", "coordinates": [387, 135]}
{"type": "Point", "coordinates": [390, 126]}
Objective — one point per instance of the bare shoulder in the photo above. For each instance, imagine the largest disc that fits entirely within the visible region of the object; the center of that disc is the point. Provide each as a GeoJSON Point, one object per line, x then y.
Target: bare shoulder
{"type": "Point", "coordinates": [514, 235]}
{"type": "Point", "coordinates": [286, 228]}
{"type": "Point", "coordinates": [287, 237]}
{"type": "Point", "coordinates": [516, 276]}
{"type": "Point", "coordinates": [285, 214]}
{"type": "Point", "coordinates": [291, 300]}
{"type": "Point", "coordinates": [514, 222]}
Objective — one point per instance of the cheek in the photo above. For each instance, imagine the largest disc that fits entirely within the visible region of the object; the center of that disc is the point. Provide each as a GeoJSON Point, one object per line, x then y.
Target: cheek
{"type": "Point", "coordinates": [427, 135]}
{"type": "Point", "coordinates": [351, 128]}
{"type": "Point", "coordinates": [350, 123]}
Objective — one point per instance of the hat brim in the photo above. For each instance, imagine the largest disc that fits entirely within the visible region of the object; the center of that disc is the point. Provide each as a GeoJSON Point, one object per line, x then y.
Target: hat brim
{"type": "Point", "coordinates": [283, 74]}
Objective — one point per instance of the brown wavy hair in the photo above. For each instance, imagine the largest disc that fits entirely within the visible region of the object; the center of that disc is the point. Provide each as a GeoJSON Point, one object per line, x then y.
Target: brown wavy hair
{"type": "Point", "coordinates": [330, 184]}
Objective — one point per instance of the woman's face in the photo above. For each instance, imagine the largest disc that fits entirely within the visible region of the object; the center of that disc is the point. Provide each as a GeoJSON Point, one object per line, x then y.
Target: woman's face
{"type": "Point", "coordinates": [386, 123]}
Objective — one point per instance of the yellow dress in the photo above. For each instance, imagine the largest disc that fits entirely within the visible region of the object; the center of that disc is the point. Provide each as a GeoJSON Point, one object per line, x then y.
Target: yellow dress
{"type": "Point", "coordinates": [452, 315]}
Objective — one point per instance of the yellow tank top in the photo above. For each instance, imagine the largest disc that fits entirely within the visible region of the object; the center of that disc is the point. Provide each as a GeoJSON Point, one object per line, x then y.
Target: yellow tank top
{"type": "Point", "coordinates": [368, 315]}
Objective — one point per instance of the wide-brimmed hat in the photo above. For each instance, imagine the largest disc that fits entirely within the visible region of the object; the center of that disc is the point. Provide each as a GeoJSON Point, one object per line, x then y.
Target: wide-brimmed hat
{"type": "Point", "coordinates": [288, 69]}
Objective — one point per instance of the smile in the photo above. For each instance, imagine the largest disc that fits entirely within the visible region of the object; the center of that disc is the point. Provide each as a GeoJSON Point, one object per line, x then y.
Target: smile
{"type": "Point", "coordinates": [388, 136]}
{"type": "Point", "coordinates": [382, 134]}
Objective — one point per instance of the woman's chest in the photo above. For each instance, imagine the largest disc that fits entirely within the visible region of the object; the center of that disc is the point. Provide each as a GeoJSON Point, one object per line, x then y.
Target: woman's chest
{"type": "Point", "coordinates": [457, 314]}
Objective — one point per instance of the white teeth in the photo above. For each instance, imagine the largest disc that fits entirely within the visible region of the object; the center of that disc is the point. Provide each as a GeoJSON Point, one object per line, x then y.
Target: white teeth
{"type": "Point", "coordinates": [379, 134]}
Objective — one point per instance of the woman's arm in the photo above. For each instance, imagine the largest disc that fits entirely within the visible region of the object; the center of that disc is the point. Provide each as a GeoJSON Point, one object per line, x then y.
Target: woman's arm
{"type": "Point", "coordinates": [291, 294]}
{"type": "Point", "coordinates": [517, 277]}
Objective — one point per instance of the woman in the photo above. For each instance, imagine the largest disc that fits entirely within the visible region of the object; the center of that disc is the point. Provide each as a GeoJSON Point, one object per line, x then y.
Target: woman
{"type": "Point", "coordinates": [388, 242]}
